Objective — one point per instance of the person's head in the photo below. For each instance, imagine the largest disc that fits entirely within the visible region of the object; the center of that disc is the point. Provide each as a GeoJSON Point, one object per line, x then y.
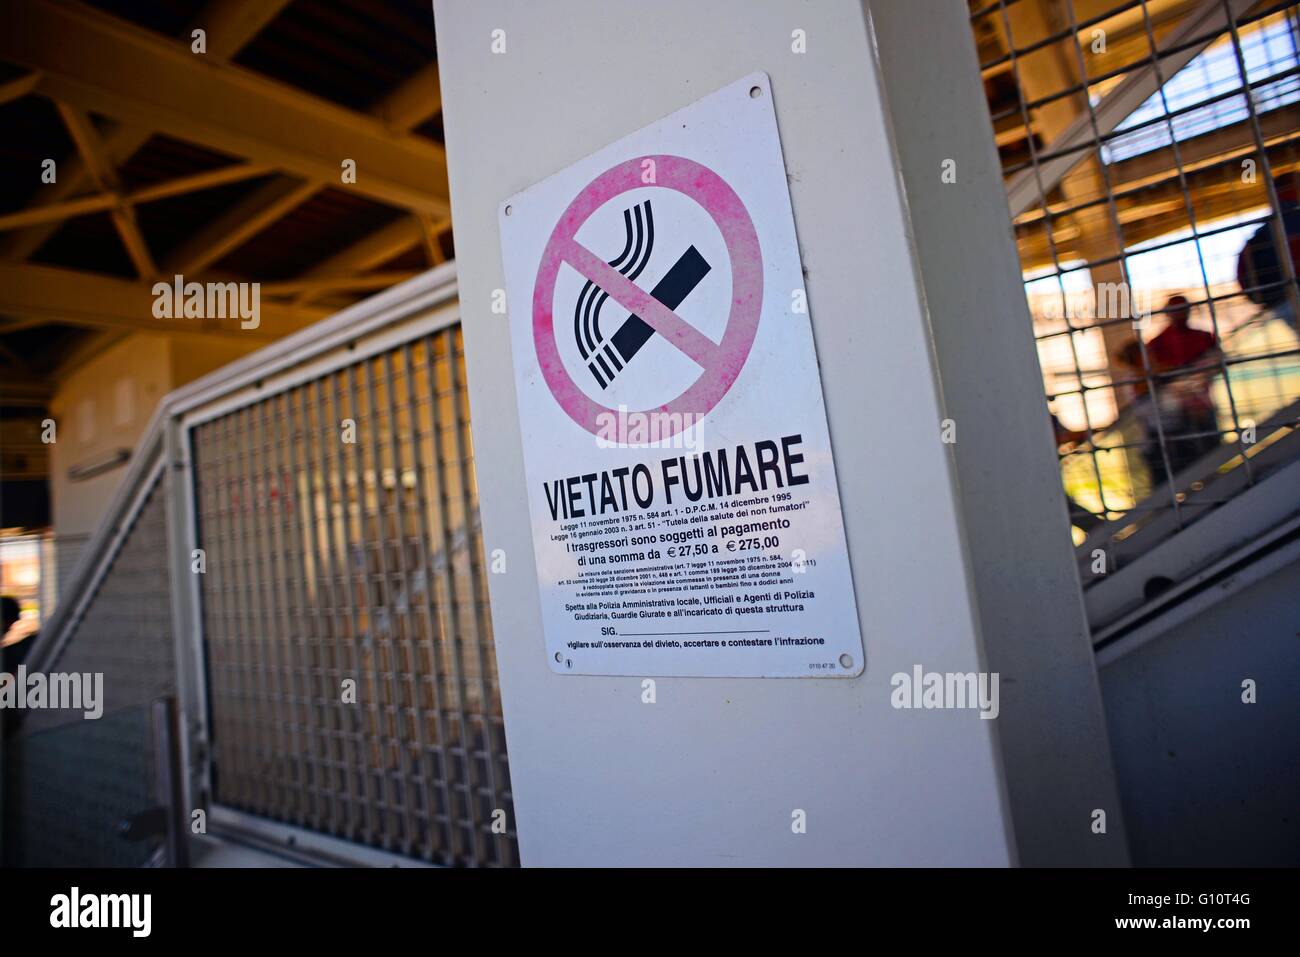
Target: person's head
{"type": "Point", "coordinates": [1179, 310]}
{"type": "Point", "coordinates": [10, 611]}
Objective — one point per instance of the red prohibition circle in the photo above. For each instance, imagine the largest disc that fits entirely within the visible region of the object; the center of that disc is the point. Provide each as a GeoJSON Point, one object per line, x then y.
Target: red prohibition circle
{"type": "Point", "coordinates": [720, 363]}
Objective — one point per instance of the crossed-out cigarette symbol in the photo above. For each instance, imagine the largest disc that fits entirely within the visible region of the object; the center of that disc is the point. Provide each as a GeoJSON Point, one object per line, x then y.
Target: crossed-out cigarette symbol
{"type": "Point", "coordinates": [607, 357]}
{"type": "Point", "coordinates": [651, 313]}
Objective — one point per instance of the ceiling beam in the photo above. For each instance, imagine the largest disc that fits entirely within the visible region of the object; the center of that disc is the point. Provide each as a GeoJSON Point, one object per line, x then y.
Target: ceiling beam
{"type": "Point", "coordinates": [102, 201]}
{"type": "Point", "coordinates": [433, 229]}
{"type": "Point", "coordinates": [1023, 191]}
{"type": "Point", "coordinates": [16, 89]}
{"type": "Point", "coordinates": [86, 139]}
{"type": "Point", "coordinates": [105, 177]}
{"type": "Point", "coordinates": [414, 100]}
{"type": "Point", "coordinates": [18, 325]}
{"type": "Point", "coordinates": [57, 212]}
{"type": "Point", "coordinates": [370, 251]}
{"type": "Point", "coordinates": [1128, 22]}
{"type": "Point", "coordinates": [1012, 134]}
{"type": "Point", "coordinates": [1150, 215]}
{"type": "Point", "coordinates": [99, 63]}
{"type": "Point", "coordinates": [1207, 149]}
{"type": "Point", "coordinates": [1213, 150]}
{"type": "Point", "coordinates": [78, 298]}
{"type": "Point", "coordinates": [231, 25]}
{"type": "Point", "coordinates": [120, 143]}
{"type": "Point", "coordinates": [379, 247]}
{"type": "Point", "coordinates": [240, 223]}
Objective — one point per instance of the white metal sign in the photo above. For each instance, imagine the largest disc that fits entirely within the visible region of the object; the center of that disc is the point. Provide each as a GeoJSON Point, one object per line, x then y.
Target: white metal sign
{"type": "Point", "coordinates": [685, 512]}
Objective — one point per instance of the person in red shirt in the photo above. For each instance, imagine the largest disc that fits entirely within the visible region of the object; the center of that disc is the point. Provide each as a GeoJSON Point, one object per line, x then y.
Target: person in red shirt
{"type": "Point", "coordinates": [1180, 345]}
{"type": "Point", "coordinates": [1184, 361]}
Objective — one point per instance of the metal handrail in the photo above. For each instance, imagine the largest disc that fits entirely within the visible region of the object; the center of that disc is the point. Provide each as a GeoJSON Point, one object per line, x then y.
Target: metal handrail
{"type": "Point", "coordinates": [101, 547]}
{"type": "Point", "coordinates": [252, 376]}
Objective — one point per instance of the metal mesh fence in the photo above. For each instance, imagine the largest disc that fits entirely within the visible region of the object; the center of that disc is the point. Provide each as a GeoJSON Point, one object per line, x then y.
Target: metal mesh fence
{"type": "Point", "coordinates": [68, 789]}
{"type": "Point", "coordinates": [352, 680]}
{"type": "Point", "coordinates": [1150, 155]}
{"type": "Point", "coordinates": [69, 781]}
{"type": "Point", "coordinates": [64, 553]}
{"type": "Point", "coordinates": [126, 630]}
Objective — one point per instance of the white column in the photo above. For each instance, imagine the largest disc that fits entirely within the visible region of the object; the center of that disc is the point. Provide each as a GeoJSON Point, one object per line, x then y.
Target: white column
{"type": "Point", "coordinates": [714, 770]}
{"type": "Point", "coordinates": [1052, 730]}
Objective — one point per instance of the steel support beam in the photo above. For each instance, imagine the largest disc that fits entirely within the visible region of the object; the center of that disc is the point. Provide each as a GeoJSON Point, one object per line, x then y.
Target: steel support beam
{"type": "Point", "coordinates": [230, 25]}
{"type": "Point", "coordinates": [100, 63]}
{"type": "Point", "coordinates": [77, 298]}
{"type": "Point", "coordinates": [105, 178]}
{"type": "Point", "coordinates": [93, 204]}
{"type": "Point", "coordinates": [1118, 104]}
{"type": "Point", "coordinates": [415, 100]}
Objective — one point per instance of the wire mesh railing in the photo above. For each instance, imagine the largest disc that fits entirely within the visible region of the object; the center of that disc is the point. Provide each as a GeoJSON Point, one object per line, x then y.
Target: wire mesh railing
{"type": "Point", "coordinates": [125, 631]}
{"type": "Point", "coordinates": [1150, 154]}
{"type": "Point", "coordinates": [295, 555]}
{"type": "Point", "coordinates": [352, 678]}
{"type": "Point", "coordinates": [68, 789]}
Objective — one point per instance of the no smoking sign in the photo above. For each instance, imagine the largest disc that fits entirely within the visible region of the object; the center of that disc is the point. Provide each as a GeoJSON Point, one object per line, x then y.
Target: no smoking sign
{"type": "Point", "coordinates": [682, 492]}
{"type": "Point", "coordinates": [649, 312]}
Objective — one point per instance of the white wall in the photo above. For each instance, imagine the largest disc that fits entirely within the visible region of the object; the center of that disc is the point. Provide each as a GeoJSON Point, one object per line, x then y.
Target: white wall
{"type": "Point", "coordinates": [1207, 779]}
{"type": "Point", "coordinates": [712, 772]}
{"type": "Point", "coordinates": [1052, 734]}
{"type": "Point", "coordinates": [104, 405]}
